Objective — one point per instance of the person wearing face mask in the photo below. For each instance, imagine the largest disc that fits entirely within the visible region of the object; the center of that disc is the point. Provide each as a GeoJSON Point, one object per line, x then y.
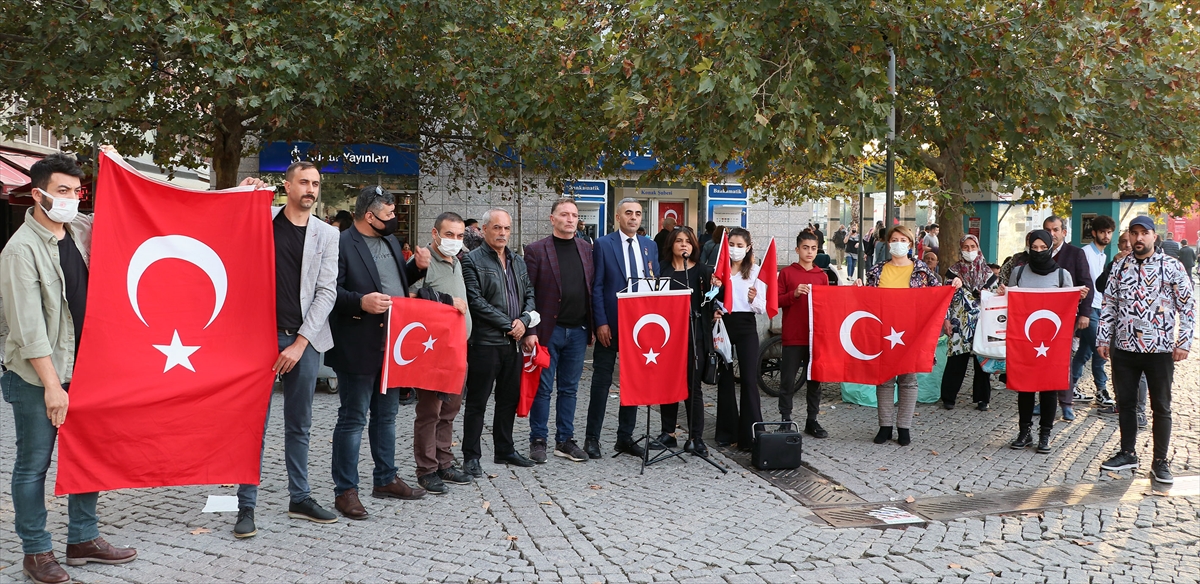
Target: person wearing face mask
{"type": "Point", "coordinates": [972, 269]}
{"type": "Point", "coordinates": [901, 271]}
{"type": "Point", "coordinates": [562, 272]}
{"type": "Point", "coordinates": [435, 411]}
{"type": "Point", "coordinates": [370, 273]}
{"type": "Point", "coordinates": [43, 283]}
{"type": "Point", "coordinates": [735, 422]}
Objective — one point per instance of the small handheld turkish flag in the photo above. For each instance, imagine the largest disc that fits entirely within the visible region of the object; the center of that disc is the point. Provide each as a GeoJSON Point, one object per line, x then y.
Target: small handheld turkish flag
{"type": "Point", "coordinates": [426, 346]}
{"type": "Point", "coordinates": [653, 344]}
{"type": "Point", "coordinates": [173, 377]}
{"type": "Point", "coordinates": [723, 270]}
{"type": "Point", "coordinates": [768, 273]}
{"type": "Point", "coordinates": [531, 377]}
{"type": "Point", "coordinates": [1041, 324]}
{"type": "Point", "coordinates": [870, 335]}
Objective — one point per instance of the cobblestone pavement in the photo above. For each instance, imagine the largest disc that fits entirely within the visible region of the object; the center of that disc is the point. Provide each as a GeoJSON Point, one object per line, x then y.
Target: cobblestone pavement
{"type": "Point", "coordinates": [600, 521]}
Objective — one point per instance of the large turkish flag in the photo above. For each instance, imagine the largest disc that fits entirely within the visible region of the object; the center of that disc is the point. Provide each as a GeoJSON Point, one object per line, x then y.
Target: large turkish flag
{"type": "Point", "coordinates": [173, 376]}
{"type": "Point", "coordinates": [652, 340]}
{"type": "Point", "coordinates": [426, 346]}
{"type": "Point", "coordinates": [870, 335]}
{"type": "Point", "coordinates": [1037, 346]}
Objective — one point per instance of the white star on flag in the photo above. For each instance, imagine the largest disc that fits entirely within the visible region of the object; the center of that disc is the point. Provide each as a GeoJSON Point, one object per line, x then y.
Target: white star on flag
{"type": "Point", "coordinates": [177, 354]}
{"type": "Point", "coordinates": [895, 338]}
{"type": "Point", "coordinates": [651, 357]}
{"type": "Point", "coordinates": [429, 344]}
{"type": "Point", "coordinates": [1041, 349]}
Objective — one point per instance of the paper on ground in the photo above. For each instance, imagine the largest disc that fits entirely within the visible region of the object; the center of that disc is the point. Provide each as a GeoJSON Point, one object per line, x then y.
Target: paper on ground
{"type": "Point", "coordinates": [220, 504]}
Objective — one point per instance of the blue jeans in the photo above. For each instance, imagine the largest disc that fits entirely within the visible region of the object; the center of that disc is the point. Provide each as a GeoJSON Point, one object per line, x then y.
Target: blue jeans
{"type": "Point", "coordinates": [35, 445]}
{"type": "Point", "coordinates": [298, 387]}
{"type": "Point", "coordinates": [851, 263]}
{"type": "Point", "coordinates": [360, 395]}
{"type": "Point", "coordinates": [567, 347]}
{"type": "Point", "coordinates": [1087, 350]}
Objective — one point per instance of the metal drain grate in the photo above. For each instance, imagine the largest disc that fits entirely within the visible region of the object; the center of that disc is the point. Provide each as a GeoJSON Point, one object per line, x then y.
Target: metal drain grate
{"type": "Point", "coordinates": [871, 515]}
{"type": "Point", "coordinates": [804, 485]}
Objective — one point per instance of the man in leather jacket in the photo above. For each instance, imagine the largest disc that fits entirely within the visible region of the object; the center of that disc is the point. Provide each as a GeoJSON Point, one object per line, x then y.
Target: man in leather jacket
{"type": "Point", "coordinates": [502, 311]}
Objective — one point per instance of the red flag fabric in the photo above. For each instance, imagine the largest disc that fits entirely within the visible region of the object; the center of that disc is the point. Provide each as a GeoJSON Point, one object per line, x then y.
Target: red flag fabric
{"type": "Point", "coordinates": [426, 346]}
{"type": "Point", "coordinates": [531, 376]}
{"type": "Point", "coordinates": [768, 273]}
{"type": "Point", "coordinates": [869, 335]}
{"type": "Point", "coordinates": [653, 344]}
{"type": "Point", "coordinates": [173, 376]}
{"type": "Point", "coordinates": [1041, 324]}
{"type": "Point", "coordinates": [722, 270]}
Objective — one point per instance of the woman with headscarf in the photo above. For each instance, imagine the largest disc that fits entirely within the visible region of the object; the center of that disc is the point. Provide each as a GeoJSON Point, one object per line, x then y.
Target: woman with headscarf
{"type": "Point", "coordinates": [960, 323]}
{"type": "Point", "coordinates": [1038, 270]}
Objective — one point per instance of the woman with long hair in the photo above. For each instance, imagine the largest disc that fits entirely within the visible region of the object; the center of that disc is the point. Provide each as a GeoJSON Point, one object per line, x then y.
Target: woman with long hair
{"type": "Point", "coordinates": [960, 324]}
{"type": "Point", "coordinates": [736, 423]}
{"type": "Point", "coordinates": [900, 271]}
{"type": "Point", "coordinates": [679, 264]}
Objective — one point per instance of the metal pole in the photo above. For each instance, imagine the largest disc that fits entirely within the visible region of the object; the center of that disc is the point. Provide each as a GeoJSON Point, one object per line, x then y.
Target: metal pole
{"type": "Point", "coordinates": [890, 202]}
{"type": "Point", "coordinates": [862, 234]}
{"type": "Point", "coordinates": [520, 187]}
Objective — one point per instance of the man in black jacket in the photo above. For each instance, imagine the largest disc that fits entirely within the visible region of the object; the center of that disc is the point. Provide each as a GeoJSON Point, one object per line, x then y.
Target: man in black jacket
{"type": "Point", "coordinates": [371, 271]}
{"type": "Point", "coordinates": [503, 315]}
{"type": "Point", "coordinates": [1074, 261]}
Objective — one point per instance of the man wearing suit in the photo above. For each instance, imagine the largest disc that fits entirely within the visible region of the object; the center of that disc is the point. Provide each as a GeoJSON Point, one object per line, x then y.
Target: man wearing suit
{"type": "Point", "coordinates": [1074, 261]}
{"type": "Point", "coordinates": [306, 258]}
{"type": "Point", "coordinates": [371, 270]}
{"type": "Point", "coordinates": [560, 269]}
{"type": "Point", "coordinates": [618, 256]}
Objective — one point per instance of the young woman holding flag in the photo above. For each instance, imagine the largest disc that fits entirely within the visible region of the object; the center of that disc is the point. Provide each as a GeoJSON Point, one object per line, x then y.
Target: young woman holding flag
{"type": "Point", "coordinates": [746, 297]}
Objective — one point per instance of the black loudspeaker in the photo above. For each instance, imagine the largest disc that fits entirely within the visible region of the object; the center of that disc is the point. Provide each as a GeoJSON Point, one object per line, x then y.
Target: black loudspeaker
{"type": "Point", "coordinates": [779, 449]}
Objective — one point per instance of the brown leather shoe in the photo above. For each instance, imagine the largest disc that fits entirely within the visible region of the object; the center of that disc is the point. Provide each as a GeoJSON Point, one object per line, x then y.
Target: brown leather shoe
{"type": "Point", "coordinates": [348, 504]}
{"type": "Point", "coordinates": [398, 490]}
{"type": "Point", "coordinates": [98, 551]}
{"type": "Point", "coordinates": [43, 568]}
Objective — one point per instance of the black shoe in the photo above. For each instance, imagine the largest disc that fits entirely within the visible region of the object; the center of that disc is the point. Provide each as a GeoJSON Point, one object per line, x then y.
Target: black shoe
{"type": "Point", "coordinates": [433, 483]}
{"type": "Point", "coordinates": [1043, 446]}
{"type": "Point", "coordinates": [1120, 461]}
{"type": "Point", "coordinates": [699, 448]}
{"type": "Point", "coordinates": [454, 476]}
{"type": "Point", "coordinates": [1160, 471]}
{"type": "Point", "coordinates": [631, 449]}
{"type": "Point", "coordinates": [902, 437]}
{"type": "Point", "coordinates": [884, 434]}
{"type": "Point", "coordinates": [592, 447]}
{"type": "Point", "coordinates": [537, 450]}
{"type": "Point", "coordinates": [472, 468]}
{"type": "Point", "coordinates": [570, 451]}
{"type": "Point", "coordinates": [245, 523]}
{"type": "Point", "coordinates": [982, 406]}
{"type": "Point", "coordinates": [947, 405]}
{"type": "Point", "coordinates": [1024, 439]}
{"type": "Point", "coordinates": [664, 440]}
{"type": "Point", "coordinates": [310, 510]}
{"type": "Point", "coordinates": [814, 429]}
{"type": "Point", "coordinates": [514, 459]}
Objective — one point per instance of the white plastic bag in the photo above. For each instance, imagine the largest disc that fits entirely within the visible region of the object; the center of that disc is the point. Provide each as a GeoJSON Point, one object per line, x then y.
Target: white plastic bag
{"type": "Point", "coordinates": [993, 325]}
{"type": "Point", "coordinates": [721, 342]}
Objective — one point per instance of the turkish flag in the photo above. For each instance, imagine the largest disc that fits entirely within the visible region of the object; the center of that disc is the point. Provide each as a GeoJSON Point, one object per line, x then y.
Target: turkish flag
{"type": "Point", "coordinates": [531, 377]}
{"type": "Point", "coordinates": [869, 335]}
{"type": "Point", "coordinates": [723, 270]}
{"type": "Point", "coordinates": [768, 273]}
{"type": "Point", "coordinates": [173, 376]}
{"type": "Point", "coordinates": [426, 346]}
{"type": "Point", "coordinates": [1037, 346]}
{"type": "Point", "coordinates": [653, 344]}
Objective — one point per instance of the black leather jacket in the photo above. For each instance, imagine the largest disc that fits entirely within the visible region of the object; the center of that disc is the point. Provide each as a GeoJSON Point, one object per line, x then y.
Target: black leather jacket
{"type": "Point", "coordinates": [487, 295]}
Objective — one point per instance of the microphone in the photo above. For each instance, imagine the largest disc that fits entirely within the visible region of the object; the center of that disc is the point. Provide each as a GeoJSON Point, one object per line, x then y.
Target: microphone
{"type": "Point", "coordinates": [686, 255]}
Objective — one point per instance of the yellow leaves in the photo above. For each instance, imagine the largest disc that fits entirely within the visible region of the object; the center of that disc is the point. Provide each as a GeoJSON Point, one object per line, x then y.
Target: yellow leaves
{"type": "Point", "coordinates": [761, 119]}
{"type": "Point", "coordinates": [704, 65]}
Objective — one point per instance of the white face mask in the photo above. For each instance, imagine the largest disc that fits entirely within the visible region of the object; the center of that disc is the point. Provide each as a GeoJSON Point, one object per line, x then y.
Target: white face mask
{"type": "Point", "coordinates": [898, 248]}
{"type": "Point", "coordinates": [737, 254]}
{"type": "Point", "coordinates": [970, 255]}
{"type": "Point", "coordinates": [61, 210]}
{"type": "Point", "coordinates": [449, 247]}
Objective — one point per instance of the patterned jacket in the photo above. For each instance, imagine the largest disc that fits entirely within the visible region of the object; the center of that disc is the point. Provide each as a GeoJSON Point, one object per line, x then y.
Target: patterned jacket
{"type": "Point", "coordinates": [922, 275]}
{"type": "Point", "coordinates": [1142, 301]}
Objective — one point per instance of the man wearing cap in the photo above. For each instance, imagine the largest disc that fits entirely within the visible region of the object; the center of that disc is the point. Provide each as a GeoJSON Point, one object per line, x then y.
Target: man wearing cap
{"type": "Point", "coordinates": [1146, 293]}
{"type": "Point", "coordinates": [371, 271]}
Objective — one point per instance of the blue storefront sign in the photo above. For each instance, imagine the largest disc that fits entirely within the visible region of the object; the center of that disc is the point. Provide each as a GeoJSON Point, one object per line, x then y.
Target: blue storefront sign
{"type": "Point", "coordinates": [728, 204]}
{"type": "Point", "coordinates": [581, 189]}
{"type": "Point", "coordinates": [352, 159]}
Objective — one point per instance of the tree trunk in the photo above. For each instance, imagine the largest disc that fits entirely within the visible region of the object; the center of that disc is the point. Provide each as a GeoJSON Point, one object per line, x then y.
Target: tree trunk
{"type": "Point", "coordinates": [228, 139]}
{"type": "Point", "coordinates": [950, 205]}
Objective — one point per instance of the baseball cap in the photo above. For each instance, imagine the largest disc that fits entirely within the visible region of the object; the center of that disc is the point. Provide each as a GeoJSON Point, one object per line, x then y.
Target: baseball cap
{"type": "Point", "coordinates": [1142, 221]}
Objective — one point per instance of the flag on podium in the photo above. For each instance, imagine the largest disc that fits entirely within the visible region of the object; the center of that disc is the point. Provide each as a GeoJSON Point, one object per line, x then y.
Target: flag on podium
{"type": "Point", "coordinates": [652, 341]}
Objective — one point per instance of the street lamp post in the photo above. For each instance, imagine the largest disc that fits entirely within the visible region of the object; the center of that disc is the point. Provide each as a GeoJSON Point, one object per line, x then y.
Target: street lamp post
{"type": "Point", "coordinates": [890, 202]}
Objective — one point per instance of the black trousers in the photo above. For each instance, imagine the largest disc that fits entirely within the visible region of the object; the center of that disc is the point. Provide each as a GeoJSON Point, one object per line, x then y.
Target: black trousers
{"type": "Point", "coordinates": [736, 423]}
{"type": "Point", "coordinates": [795, 361]}
{"type": "Point", "coordinates": [1049, 401]}
{"type": "Point", "coordinates": [1127, 369]}
{"type": "Point", "coordinates": [954, 374]}
{"type": "Point", "coordinates": [694, 404]}
{"type": "Point", "coordinates": [491, 366]}
{"type": "Point", "coordinates": [604, 361]}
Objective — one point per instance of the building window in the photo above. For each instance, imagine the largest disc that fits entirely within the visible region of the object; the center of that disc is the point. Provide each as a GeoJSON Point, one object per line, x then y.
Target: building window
{"type": "Point", "coordinates": [40, 136]}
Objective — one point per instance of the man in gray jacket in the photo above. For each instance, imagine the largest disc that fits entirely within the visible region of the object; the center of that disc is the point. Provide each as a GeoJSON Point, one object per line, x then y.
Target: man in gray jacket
{"type": "Point", "coordinates": [306, 268]}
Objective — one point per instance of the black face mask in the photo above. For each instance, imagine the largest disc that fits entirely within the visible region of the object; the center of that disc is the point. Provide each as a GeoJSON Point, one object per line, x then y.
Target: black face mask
{"type": "Point", "coordinates": [1041, 262]}
{"type": "Point", "coordinates": [389, 226]}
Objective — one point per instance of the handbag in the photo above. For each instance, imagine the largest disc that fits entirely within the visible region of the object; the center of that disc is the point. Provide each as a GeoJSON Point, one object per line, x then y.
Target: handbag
{"type": "Point", "coordinates": [711, 363]}
{"type": "Point", "coordinates": [992, 327]}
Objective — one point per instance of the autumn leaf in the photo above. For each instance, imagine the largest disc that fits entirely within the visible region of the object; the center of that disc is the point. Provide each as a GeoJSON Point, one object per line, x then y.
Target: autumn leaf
{"type": "Point", "coordinates": [487, 505]}
{"type": "Point", "coordinates": [200, 530]}
{"type": "Point", "coordinates": [909, 499]}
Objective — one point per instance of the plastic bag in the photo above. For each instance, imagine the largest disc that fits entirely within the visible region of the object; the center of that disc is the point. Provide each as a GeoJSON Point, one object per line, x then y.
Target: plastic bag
{"type": "Point", "coordinates": [721, 342]}
{"type": "Point", "coordinates": [993, 325]}
{"type": "Point", "coordinates": [991, 365]}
